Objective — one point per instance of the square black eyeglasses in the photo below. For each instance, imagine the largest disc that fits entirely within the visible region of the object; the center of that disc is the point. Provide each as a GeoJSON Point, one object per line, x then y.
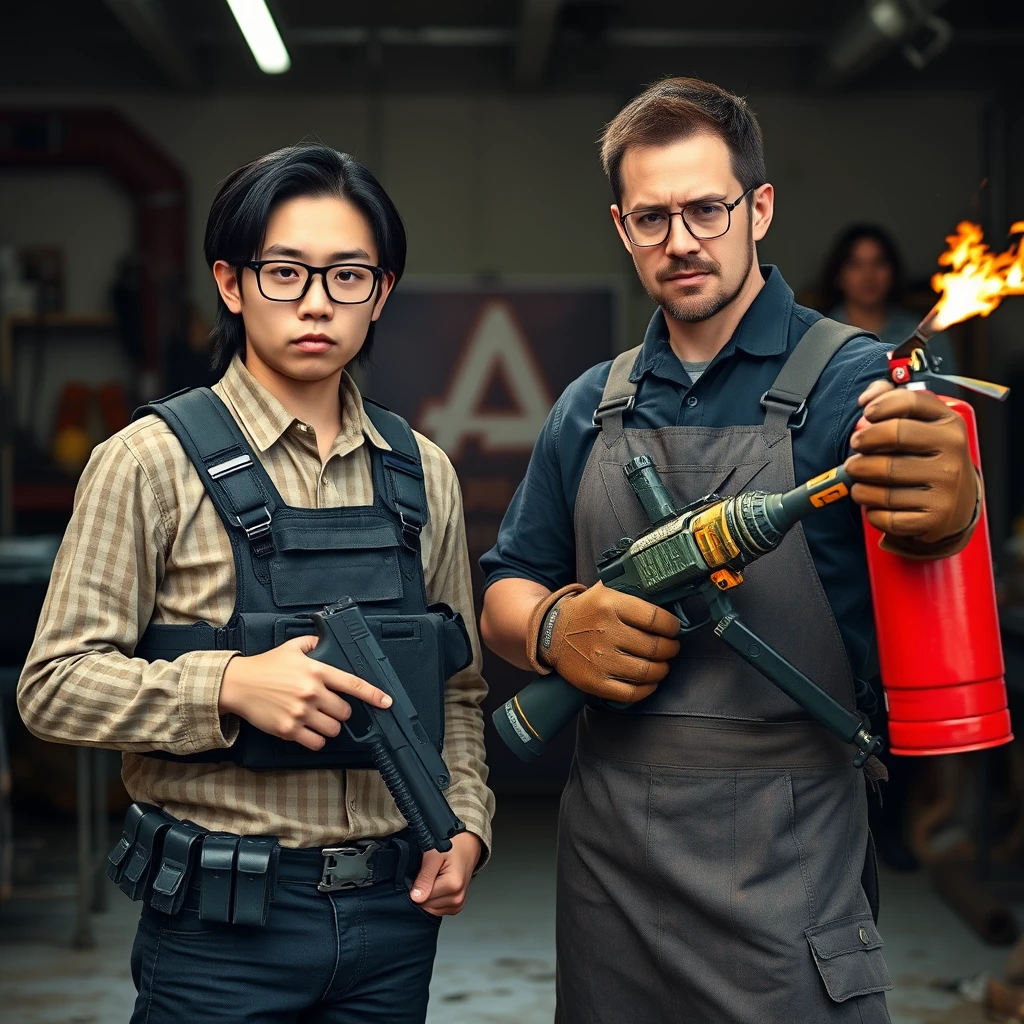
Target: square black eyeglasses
{"type": "Point", "coordinates": [289, 280]}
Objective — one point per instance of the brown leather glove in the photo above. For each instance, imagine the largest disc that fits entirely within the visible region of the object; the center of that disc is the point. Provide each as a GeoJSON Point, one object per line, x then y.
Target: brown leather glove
{"type": "Point", "coordinates": [605, 643]}
{"type": "Point", "coordinates": [913, 472]}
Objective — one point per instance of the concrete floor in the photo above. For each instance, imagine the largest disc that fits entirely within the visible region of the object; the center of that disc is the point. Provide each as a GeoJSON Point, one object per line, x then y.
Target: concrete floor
{"type": "Point", "coordinates": [496, 960]}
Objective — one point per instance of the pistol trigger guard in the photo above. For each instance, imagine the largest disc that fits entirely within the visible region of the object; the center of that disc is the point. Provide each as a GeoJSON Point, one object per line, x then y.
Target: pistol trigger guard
{"type": "Point", "coordinates": [691, 627]}
{"type": "Point", "coordinates": [686, 624]}
{"type": "Point", "coordinates": [353, 735]}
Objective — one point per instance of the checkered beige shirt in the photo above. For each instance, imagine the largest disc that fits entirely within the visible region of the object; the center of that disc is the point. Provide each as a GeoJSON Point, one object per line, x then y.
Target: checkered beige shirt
{"type": "Point", "coordinates": [146, 544]}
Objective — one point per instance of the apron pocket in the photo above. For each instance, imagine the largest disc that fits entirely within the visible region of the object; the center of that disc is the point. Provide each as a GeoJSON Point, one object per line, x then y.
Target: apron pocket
{"type": "Point", "coordinates": [848, 953]}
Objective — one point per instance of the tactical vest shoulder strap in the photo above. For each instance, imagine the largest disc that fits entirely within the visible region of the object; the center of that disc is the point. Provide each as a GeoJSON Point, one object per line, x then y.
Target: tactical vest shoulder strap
{"type": "Point", "coordinates": [618, 396]}
{"type": "Point", "coordinates": [785, 402]}
{"type": "Point", "coordinates": [404, 491]}
{"type": "Point", "coordinates": [238, 485]}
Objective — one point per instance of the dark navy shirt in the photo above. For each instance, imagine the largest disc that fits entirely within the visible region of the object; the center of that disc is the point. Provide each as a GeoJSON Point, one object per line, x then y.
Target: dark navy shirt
{"type": "Point", "coordinates": [536, 540]}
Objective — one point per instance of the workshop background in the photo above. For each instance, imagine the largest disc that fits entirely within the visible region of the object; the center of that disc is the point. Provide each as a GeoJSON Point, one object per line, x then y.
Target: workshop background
{"type": "Point", "coordinates": [117, 120]}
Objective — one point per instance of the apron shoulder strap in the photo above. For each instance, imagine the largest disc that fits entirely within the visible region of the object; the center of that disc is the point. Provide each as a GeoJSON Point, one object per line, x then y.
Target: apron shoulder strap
{"type": "Point", "coordinates": [404, 491]}
{"type": "Point", "coordinates": [785, 402]}
{"type": "Point", "coordinates": [238, 485]}
{"type": "Point", "coordinates": [618, 396]}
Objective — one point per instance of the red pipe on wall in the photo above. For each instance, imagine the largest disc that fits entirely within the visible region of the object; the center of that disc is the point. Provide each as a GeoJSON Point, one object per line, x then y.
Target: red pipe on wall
{"type": "Point", "coordinates": [105, 140]}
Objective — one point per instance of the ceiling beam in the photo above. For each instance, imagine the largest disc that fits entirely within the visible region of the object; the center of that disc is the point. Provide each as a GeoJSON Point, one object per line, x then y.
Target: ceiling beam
{"type": "Point", "coordinates": [536, 34]}
{"type": "Point", "coordinates": [150, 28]}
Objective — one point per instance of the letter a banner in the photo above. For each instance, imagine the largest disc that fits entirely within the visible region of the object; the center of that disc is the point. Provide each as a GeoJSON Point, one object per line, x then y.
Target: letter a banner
{"type": "Point", "coordinates": [477, 370]}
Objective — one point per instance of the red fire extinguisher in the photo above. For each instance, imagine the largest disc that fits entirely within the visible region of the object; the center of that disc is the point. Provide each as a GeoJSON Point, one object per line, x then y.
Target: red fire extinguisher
{"type": "Point", "coordinates": [937, 624]}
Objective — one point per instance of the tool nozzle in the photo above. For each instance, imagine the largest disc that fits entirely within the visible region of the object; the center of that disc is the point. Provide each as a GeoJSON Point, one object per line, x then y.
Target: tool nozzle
{"type": "Point", "coordinates": [785, 510]}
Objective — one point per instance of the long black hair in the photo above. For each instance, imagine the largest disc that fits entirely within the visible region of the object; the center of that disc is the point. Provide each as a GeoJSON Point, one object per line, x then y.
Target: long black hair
{"type": "Point", "coordinates": [841, 251]}
{"type": "Point", "coordinates": [248, 196]}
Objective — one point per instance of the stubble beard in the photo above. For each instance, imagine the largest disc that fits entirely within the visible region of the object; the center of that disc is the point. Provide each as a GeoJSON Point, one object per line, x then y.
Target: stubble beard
{"type": "Point", "coordinates": [697, 312]}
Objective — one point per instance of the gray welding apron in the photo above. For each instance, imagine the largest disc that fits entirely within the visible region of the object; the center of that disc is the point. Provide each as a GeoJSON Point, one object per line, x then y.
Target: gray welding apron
{"type": "Point", "coordinates": [712, 839]}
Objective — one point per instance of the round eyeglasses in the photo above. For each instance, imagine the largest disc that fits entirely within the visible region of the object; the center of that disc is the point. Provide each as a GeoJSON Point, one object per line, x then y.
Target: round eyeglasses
{"type": "Point", "coordinates": [703, 220]}
{"type": "Point", "coordinates": [288, 280]}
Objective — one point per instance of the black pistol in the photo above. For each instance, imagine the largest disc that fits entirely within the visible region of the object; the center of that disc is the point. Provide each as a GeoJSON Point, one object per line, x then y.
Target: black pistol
{"type": "Point", "coordinates": [410, 766]}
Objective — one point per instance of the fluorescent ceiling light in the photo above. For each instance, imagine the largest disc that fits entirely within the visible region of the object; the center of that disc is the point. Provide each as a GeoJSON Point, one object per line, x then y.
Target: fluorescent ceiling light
{"type": "Point", "coordinates": [257, 25]}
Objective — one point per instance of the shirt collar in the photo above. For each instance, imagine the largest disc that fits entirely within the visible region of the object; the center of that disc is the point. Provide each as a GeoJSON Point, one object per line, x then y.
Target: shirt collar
{"type": "Point", "coordinates": [265, 419]}
{"type": "Point", "coordinates": [763, 331]}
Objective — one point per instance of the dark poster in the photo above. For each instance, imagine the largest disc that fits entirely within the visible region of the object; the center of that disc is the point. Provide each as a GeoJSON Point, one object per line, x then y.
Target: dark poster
{"type": "Point", "coordinates": [477, 371]}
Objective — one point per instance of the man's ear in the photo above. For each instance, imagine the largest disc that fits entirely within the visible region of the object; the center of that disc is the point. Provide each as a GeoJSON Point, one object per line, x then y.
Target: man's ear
{"type": "Point", "coordinates": [229, 284]}
{"type": "Point", "coordinates": [762, 211]}
{"type": "Point", "coordinates": [387, 282]}
{"type": "Point", "coordinates": [617, 221]}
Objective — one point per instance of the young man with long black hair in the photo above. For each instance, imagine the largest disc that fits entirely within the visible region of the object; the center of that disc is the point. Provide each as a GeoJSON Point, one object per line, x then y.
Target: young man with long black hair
{"type": "Point", "coordinates": [279, 881]}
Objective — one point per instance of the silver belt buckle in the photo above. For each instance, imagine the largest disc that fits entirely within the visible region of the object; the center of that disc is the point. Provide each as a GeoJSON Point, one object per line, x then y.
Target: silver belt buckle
{"type": "Point", "coordinates": [347, 867]}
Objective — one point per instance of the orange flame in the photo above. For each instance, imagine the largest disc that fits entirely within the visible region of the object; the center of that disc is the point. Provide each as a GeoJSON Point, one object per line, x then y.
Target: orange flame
{"type": "Point", "coordinates": [978, 280]}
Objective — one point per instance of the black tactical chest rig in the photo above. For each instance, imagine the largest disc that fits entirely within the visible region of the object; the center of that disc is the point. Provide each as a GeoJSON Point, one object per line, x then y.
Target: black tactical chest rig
{"type": "Point", "coordinates": [290, 562]}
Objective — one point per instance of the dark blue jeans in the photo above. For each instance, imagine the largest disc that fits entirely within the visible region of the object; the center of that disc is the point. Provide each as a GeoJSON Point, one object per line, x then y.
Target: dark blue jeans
{"type": "Point", "coordinates": [361, 956]}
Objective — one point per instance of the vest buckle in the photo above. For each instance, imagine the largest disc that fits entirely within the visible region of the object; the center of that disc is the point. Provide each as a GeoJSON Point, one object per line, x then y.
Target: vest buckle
{"type": "Point", "coordinates": [411, 531]}
{"type": "Point", "coordinates": [223, 469]}
{"type": "Point", "coordinates": [254, 530]}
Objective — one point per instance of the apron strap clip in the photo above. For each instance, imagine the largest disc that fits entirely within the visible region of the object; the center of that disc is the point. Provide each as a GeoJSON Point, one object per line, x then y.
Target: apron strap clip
{"type": "Point", "coordinates": [612, 406]}
{"type": "Point", "coordinates": [797, 407]}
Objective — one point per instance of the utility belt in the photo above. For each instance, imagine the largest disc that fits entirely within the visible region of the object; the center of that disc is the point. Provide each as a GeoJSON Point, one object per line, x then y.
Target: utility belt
{"type": "Point", "coordinates": [159, 858]}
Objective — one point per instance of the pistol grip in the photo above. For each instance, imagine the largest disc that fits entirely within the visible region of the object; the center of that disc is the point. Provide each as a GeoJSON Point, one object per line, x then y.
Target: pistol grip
{"type": "Point", "coordinates": [324, 641]}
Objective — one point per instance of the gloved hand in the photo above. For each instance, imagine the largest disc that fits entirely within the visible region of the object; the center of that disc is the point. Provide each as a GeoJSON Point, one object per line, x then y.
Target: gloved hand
{"type": "Point", "coordinates": [913, 470]}
{"type": "Point", "coordinates": [605, 643]}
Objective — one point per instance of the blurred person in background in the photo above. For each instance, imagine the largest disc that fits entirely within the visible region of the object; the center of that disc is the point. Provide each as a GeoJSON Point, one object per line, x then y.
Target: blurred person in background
{"type": "Point", "coordinates": [863, 284]}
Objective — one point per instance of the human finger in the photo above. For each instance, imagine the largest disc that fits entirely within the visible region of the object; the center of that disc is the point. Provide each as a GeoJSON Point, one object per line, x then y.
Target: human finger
{"type": "Point", "coordinates": [643, 615]}
{"type": "Point", "coordinates": [899, 523]}
{"type": "Point", "coordinates": [332, 704]}
{"type": "Point", "coordinates": [901, 403]}
{"type": "Point", "coordinates": [304, 643]}
{"type": "Point", "coordinates": [323, 724]}
{"type": "Point", "coordinates": [448, 883]}
{"type": "Point", "coordinates": [447, 907]}
{"type": "Point", "coordinates": [901, 499]}
{"type": "Point", "coordinates": [873, 390]}
{"type": "Point", "coordinates": [892, 470]}
{"type": "Point", "coordinates": [422, 887]}
{"type": "Point", "coordinates": [345, 682]}
{"type": "Point", "coordinates": [307, 738]}
{"type": "Point", "coordinates": [624, 693]}
{"type": "Point", "coordinates": [901, 434]}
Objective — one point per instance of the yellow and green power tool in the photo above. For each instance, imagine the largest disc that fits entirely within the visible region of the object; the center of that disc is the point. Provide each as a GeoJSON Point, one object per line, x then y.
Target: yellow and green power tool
{"type": "Point", "coordinates": [695, 552]}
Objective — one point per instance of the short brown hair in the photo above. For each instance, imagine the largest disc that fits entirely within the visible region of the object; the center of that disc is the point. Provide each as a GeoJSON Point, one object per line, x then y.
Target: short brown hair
{"type": "Point", "coordinates": [677, 108]}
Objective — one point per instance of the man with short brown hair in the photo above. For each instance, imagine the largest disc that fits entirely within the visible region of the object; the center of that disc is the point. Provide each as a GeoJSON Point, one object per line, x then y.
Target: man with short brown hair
{"type": "Point", "coordinates": [713, 860]}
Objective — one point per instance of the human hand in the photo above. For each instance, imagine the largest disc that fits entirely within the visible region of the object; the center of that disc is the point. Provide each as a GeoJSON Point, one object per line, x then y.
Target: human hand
{"type": "Point", "coordinates": [912, 469]}
{"type": "Point", "coordinates": [440, 887]}
{"type": "Point", "coordinates": [608, 644]}
{"type": "Point", "coordinates": [286, 694]}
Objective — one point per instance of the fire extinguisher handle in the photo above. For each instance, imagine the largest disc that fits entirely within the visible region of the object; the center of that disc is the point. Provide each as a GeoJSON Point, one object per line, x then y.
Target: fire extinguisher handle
{"type": "Point", "coordinates": [844, 723]}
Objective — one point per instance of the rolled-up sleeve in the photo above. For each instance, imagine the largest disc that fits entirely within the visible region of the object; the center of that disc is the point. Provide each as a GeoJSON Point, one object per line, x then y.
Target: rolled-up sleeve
{"type": "Point", "coordinates": [80, 683]}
